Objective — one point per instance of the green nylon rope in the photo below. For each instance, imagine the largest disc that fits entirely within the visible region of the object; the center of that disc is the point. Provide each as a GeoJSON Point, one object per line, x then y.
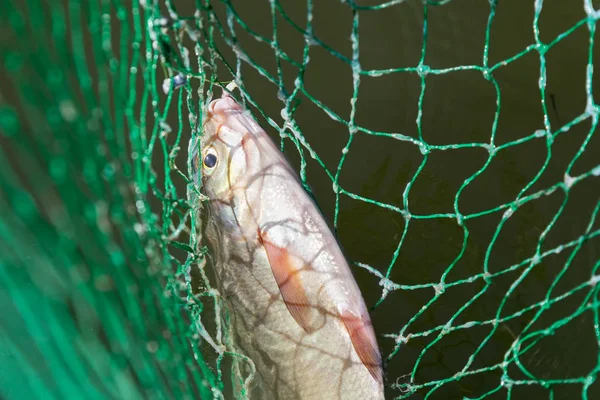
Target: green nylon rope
{"type": "Point", "coordinates": [103, 287]}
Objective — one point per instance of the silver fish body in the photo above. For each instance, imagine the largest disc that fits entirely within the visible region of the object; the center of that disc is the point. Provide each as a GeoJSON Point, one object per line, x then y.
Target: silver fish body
{"type": "Point", "coordinates": [296, 309]}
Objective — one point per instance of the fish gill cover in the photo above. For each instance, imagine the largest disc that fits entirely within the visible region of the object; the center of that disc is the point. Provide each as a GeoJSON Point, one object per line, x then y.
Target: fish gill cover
{"type": "Point", "coordinates": [452, 145]}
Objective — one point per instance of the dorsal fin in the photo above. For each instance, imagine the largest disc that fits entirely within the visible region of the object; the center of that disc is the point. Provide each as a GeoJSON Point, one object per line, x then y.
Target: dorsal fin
{"type": "Point", "coordinates": [364, 342]}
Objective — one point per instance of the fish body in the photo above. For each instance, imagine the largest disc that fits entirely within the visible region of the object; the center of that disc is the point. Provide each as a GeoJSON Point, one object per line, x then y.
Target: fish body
{"type": "Point", "coordinates": [296, 309]}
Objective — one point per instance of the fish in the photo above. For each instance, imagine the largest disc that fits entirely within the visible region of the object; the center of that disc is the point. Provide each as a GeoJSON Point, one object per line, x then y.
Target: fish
{"type": "Point", "coordinates": [295, 308]}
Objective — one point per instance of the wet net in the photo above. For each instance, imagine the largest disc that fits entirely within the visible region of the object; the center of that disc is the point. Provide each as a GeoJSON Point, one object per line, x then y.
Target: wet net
{"type": "Point", "coordinates": [453, 146]}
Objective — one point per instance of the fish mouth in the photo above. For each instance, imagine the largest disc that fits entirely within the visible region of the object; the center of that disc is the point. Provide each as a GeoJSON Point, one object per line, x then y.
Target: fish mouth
{"type": "Point", "coordinates": [223, 107]}
{"type": "Point", "coordinates": [222, 112]}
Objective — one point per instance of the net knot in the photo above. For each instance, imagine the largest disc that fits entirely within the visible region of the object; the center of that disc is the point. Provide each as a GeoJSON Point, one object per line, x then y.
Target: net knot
{"type": "Point", "coordinates": [592, 109]}
{"type": "Point", "coordinates": [568, 182]}
{"type": "Point", "coordinates": [487, 277]}
{"type": "Point", "coordinates": [542, 48]}
{"type": "Point", "coordinates": [592, 13]}
{"type": "Point", "coordinates": [491, 148]}
{"type": "Point", "coordinates": [401, 339]}
{"type": "Point", "coordinates": [446, 328]}
{"type": "Point", "coordinates": [423, 70]}
{"type": "Point", "coordinates": [487, 75]}
{"type": "Point", "coordinates": [439, 288]}
{"type": "Point", "coordinates": [505, 381]}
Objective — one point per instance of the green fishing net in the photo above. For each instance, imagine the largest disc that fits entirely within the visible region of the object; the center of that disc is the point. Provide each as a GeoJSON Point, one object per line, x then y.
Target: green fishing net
{"type": "Point", "coordinates": [452, 145]}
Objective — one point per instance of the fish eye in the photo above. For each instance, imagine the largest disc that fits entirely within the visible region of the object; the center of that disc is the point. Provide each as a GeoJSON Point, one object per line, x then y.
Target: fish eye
{"type": "Point", "coordinates": [209, 162]}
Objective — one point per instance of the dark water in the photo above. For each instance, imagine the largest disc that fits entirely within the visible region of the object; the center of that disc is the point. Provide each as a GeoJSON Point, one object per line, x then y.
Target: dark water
{"type": "Point", "coordinates": [459, 107]}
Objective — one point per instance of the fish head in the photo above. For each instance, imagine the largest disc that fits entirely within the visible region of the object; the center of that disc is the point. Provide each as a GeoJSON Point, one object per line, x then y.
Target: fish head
{"type": "Point", "coordinates": [223, 156]}
{"type": "Point", "coordinates": [229, 157]}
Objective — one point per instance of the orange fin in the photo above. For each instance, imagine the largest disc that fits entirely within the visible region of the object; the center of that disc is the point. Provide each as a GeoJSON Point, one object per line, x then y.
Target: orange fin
{"type": "Point", "coordinates": [290, 285]}
{"type": "Point", "coordinates": [364, 342]}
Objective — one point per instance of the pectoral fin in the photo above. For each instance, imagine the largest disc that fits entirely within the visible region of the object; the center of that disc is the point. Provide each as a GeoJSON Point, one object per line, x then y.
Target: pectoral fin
{"type": "Point", "coordinates": [364, 342]}
{"type": "Point", "coordinates": [286, 274]}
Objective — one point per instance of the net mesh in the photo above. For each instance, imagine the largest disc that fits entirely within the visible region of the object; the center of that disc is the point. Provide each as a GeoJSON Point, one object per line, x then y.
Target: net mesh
{"type": "Point", "coordinates": [452, 146]}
